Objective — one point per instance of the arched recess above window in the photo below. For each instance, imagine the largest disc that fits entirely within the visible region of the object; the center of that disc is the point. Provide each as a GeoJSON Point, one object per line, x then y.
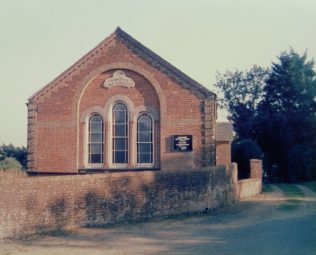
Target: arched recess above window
{"type": "Point", "coordinates": [95, 140]}
{"type": "Point", "coordinates": [120, 118]}
{"type": "Point", "coordinates": [145, 135]}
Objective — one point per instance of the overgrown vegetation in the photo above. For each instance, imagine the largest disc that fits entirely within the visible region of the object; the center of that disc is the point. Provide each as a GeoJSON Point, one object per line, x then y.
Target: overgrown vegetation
{"type": "Point", "coordinates": [242, 152]}
{"type": "Point", "coordinates": [276, 108]}
{"type": "Point", "coordinates": [10, 151]}
{"type": "Point", "coordinates": [12, 162]}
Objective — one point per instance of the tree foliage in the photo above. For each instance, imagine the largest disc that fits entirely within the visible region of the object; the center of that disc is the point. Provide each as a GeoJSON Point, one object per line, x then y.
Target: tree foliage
{"type": "Point", "coordinates": [10, 151]}
{"type": "Point", "coordinates": [242, 152]}
{"type": "Point", "coordinates": [9, 163]}
{"type": "Point", "coordinates": [243, 91]}
{"type": "Point", "coordinates": [277, 109]}
{"type": "Point", "coordinates": [286, 126]}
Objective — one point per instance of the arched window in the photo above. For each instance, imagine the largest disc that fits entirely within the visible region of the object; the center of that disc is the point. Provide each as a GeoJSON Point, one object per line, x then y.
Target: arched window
{"type": "Point", "coordinates": [144, 139]}
{"type": "Point", "coordinates": [95, 139]}
{"type": "Point", "coordinates": [119, 134]}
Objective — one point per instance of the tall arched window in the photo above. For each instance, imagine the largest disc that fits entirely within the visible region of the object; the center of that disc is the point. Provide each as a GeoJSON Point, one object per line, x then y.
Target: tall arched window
{"type": "Point", "coordinates": [144, 139]}
{"type": "Point", "coordinates": [119, 134]}
{"type": "Point", "coordinates": [95, 139]}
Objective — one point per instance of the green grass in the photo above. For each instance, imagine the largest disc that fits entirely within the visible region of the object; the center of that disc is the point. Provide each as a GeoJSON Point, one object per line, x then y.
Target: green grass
{"type": "Point", "coordinates": [267, 188]}
{"type": "Point", "coordinates": [311, 186]}
{"type": "Point", "coordinates": [294, 195]}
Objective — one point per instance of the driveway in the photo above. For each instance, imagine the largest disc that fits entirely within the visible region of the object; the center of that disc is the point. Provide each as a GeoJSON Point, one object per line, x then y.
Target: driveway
{"type": "Point", "coordinates": [282, 220]}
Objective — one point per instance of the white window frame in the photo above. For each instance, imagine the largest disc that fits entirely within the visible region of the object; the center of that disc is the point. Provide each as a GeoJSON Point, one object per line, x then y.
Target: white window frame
{"type": "Point", "coordinates": [88, 164]}
{"type": "Point", "coordinates": [110, 146]}
{"type": "Point", "coordinates": [152, 142]}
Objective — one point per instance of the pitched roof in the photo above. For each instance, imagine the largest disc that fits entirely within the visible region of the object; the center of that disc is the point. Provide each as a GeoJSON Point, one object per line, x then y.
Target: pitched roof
{"type": "Point", "coordinates": [147, 55]}
{"type": "Point", "coordinates": [224, 132]}
{"type": "Point", "coordinates": [164, 66]}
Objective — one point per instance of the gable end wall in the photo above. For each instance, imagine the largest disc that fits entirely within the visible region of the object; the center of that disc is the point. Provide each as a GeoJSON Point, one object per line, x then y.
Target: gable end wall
{"type": "Point", "coordinates": [53, 123]}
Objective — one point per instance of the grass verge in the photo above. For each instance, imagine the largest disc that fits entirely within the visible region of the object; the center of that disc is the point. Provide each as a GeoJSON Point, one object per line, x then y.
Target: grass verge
{"type": "Point", "coordinates": [311, 186]}
{"type": "Point", "coordinates": [294, 195]}
{"type": "Point", "coordinates": [267, 188]}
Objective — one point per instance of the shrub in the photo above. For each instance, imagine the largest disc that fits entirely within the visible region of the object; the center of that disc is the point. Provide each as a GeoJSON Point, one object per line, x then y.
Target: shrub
{"type": "Point", "coordinates": [19, 153]}
{"type": "Point", "coordinates": [242, 152]}
{"type": "Point", "coordinates": [300, 163]}
{"type": "Point", "coordinates": [10, 163]}
{"type": "Point", "coordinates": [10, 169]}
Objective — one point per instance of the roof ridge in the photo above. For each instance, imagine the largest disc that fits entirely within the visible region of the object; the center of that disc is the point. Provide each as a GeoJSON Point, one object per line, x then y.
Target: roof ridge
{"type": "Point", "coordinates": [128, 40]}
{"type": "Point", "coordinates": [163, 62]}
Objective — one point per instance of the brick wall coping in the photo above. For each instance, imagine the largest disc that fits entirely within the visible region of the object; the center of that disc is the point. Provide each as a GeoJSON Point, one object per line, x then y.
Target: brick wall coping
{"type": "Point", "coordinates": [250, 180]}
{"type": "Point", "coordinates": [66, 177]}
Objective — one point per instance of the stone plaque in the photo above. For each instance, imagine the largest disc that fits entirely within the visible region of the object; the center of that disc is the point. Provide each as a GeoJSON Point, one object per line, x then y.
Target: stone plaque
{"type": "Point", "coordinates": [119, 79]}
{"type": "Point", "coordinates": [182, 143]}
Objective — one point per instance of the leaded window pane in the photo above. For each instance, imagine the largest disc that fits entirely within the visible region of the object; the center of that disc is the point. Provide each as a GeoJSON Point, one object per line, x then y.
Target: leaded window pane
{"type": "Point", "coordinates": [145, 158]}
{"type": "Point", "coordinates": [120, 144]}
{"type": "Point", "coordinates": [144, 147]}
{"type": "Point", "coordinates": [96, 118]}
{"type": "Point", "coordinates": [144, 126]}
{"type": "Point", "coordinates": [95, 158]}
{"type": "Point", "coordinates": [95, 146]}
{"type": "Point", "coordinates": [120, 130]}
{"type": "Point", "coordinates": [120, 157]}
{"type": "Point", "coordinates": [120, 134]}
{"type": "Point", "coordinates": [144, 118]}
{"type": "Point", "coordinates": [144, 139]}
{"type": "Point", "coordinates": [119, 107]}
{"type": "Point", "coordinates": [95, 127]}
{"type": "Point", "coordinates": [96, 137]}
{"type": "Point", "coordinates": [120, 117]}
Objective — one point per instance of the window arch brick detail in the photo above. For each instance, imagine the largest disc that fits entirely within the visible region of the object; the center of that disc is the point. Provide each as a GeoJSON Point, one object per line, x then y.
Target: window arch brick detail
{"type": "Point", "coordinates": [146, 109]}
{"type": "Point", "coordinates": [118, 98]}
{"type": "Point", "coordinates": [118, 65]}
{"type": "Point", "coordinates": [90, 111]}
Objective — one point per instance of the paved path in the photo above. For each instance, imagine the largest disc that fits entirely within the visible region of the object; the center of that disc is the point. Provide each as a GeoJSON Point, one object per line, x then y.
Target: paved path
{"type": "Point", "coordinates": [280, 221]}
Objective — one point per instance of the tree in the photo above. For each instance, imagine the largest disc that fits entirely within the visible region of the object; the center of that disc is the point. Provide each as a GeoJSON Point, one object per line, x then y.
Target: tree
{"type": "Point", "coordinates": [242, 92]}
{"type": "Point", "coordinates": [286, 124]}
{"type": "Point", "coordinates": [9, 163]}
{"type": "Point", "coordinates": [242, 152]}
{"type": "Point", "coordinates": [10, 151]}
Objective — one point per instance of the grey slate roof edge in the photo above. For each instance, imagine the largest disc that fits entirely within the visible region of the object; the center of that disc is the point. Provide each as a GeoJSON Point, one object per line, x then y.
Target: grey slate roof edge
{"type": "Point", "coordinates": [169, 69]}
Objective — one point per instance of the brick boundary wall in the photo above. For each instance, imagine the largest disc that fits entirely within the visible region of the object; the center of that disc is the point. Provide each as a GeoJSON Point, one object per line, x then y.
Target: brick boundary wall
{"type": "Point", "coordinates": [38, 204]}
{"type": "Point", "coordinates": [256, 168]}
{"type": "Point", "coordinates": [248, 187]}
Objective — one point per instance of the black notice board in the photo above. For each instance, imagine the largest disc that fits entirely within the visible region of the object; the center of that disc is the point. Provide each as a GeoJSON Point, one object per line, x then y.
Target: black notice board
{"type": "Point", "coordinates": [182, 143]}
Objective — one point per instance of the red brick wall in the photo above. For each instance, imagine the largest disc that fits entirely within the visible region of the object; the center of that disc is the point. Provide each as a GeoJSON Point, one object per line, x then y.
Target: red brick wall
{"type": "Point", "coordinates": [248, 187]}
{"type": "Point", "coordinates": [223, 153]}
{"type": "Point", "coordinates": [53, 144]}
{"type": "Point", "coordinates": [256, 168]}
{"type": "Point", "coordinates": [143, 94]}
{"type": "Point", "coordinates": [36, 204]}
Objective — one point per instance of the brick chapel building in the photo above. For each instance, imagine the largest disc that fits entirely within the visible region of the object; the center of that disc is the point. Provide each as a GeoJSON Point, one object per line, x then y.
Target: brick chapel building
{"type": "Point", "coordinates": [121, 107]}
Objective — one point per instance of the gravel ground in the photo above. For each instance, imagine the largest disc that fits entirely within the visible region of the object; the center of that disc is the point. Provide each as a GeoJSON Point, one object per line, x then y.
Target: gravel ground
{"type": "Point", "coordinates": [280, 221]}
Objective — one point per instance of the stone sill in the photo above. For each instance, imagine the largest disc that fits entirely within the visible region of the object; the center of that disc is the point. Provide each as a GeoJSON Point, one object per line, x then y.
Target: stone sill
{"type": "Point", "coordinates": [113, 170]}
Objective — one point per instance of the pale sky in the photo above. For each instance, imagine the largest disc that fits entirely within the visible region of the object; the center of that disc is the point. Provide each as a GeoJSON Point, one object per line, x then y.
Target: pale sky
{"type": "Point", "coordinates": [41, 38]}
